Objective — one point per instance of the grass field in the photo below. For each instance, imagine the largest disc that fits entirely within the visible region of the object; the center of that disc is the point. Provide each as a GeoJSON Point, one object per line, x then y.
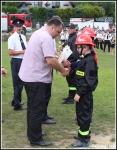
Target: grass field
{"type": "Point", "coordinates": [61, 134]}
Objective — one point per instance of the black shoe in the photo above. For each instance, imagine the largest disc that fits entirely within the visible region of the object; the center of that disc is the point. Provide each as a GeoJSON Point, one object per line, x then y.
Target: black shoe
{"type": "Point", "coordinates": [43, 134]}
{"type": "Point", "coordinates": [12, 103]}
{"type": "Point", "coordinates": [66, 98]}
{"type": "Point", "coordinates": [48, 121]}
{"type": "Point", "coordinates": [50, 117]}
{"type": "Point", "coordinates": [20, 108]}
{"type": "Point", "coordinates": [41, 143]}
{"type": "Point", "coordinates": [71, 101]}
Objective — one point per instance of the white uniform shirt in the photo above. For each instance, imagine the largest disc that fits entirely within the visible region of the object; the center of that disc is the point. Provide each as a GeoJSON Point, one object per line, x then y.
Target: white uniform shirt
{"type": "Point", "coordinates": [14, 44]}
{"type": "Point", "coordinates": [62, 35]}
{"type": "Point", "coordinates": [109, 36]}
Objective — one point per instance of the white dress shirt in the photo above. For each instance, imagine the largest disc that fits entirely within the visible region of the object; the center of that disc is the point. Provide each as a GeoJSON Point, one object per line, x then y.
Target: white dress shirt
{"type": "Point", "coordinates": [14, 44]}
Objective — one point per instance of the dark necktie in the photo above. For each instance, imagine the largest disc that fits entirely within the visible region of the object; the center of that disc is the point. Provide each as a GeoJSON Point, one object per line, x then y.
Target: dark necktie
{"type": "Point", "coordinates": [22, 43]}
{"type": "Point", "coordinates": [107, 36]}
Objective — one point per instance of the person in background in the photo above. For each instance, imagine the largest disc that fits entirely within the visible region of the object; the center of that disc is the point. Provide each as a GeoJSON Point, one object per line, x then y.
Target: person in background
{"type": "Point", "coordinates": [16, 51]}
{"type": "Point", "coordinates": [36, 73]}
{"type": "Point", "coordinates": [107, 38]}
{"type": "Point", "coordinates": [112, 45]}
{"type": "Point", "coordinates": [37, 25]}
{"type": "Point", "coordinates": [45, 23]}
{"type": "Point", "coordinates": [73, 57]}
{"type": "Point", "coordinates": [4, 73]}
{"type": "Point", "coordinates": [63, 36]}
{"type": "Point", "coordinates": [85, 81]}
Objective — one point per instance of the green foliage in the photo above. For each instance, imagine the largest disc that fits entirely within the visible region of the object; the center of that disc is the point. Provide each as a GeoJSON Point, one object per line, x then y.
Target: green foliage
{"type": "Point", "coordinates": [10, 4]}
{"type": "Point", "coordinates": [88, 12]}
{"type": "Point", "coordinates": [31, 10]}
{"type": "Point", "coordinates": [9, 9]}
{"type": "Point", "coordinates": [65, 13]}
{"type": "Point", "coordinates": [41, 13]}
{"type": "Point", "coordinates": [51, 12]}
{"type": "Point", "coordinates": [97, 12]}
{"type": "Point", "coordinates": [38, 12]}
{"type": "Point", "coordinates": [78, 12]}
{"type": "Point", "coordinates": [107, 7]}
{"type": "Point", "coordinates": [23, 10]}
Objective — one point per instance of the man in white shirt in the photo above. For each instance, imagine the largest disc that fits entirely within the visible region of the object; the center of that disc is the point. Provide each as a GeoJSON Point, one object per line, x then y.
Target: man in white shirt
{"type": "Point", "coordinates": [107, 39]}
{"type": "Point", "coordinates": [37, 25]}
{"type": "Point", "coordinates": [16, 49]}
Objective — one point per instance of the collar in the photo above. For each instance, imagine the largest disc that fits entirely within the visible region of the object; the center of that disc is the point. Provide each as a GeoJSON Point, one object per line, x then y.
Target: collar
{"type": "Point", "coordinates": [44, 27]}
{"type": "Point", "coordinates": [17, 34]}
{"type": "Point", "coordinates": [72, 34]}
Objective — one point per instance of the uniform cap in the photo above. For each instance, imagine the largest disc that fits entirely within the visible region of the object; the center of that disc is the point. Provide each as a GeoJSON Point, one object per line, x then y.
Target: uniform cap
{"type": "Point", "coordinates": [18, 22]}
{"type": "Point", "coordinates": [71, 25]}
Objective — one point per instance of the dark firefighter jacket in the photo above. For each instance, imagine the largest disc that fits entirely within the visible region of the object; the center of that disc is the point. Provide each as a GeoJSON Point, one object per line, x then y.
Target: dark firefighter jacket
{"type": "Point", "coordinates": [71, 43]}
{"type": "Point", "coordinates": [86, 76]}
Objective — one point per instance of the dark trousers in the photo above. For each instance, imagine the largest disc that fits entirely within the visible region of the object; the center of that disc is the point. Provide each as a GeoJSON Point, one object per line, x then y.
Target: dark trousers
{"type": "Point", "coordinates": [47, 98]}
{"type": "Point", "coordinates": [107, 42]}
{"type": "Point", "coordinates": [84, 110]}
{"type": "Point", "coordinates": [100, 45]}
{"type": "Point", "coordinates": [96, 42]}
{"type": "Point", "coordinates": [70, 81]}
{"type": "Point", "coordinates": [36, 107]}
{"type": "Point", "coordinates": [17, 82]}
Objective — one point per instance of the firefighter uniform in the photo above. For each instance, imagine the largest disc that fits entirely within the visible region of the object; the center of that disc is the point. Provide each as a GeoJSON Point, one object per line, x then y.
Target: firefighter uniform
{"type": "Point", "coordinates": [85, 82]}
{"type": "Point", "coordinates": [107, 38]}
{"type": "Point", "coordinates": [15, 42]}
{"type": "Point", "coordinates": [72, 58]}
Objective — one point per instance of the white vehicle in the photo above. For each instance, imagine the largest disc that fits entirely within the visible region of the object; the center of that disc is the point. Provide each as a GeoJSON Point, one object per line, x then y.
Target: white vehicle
{"type": "Point", "coordinates": [81, 24]}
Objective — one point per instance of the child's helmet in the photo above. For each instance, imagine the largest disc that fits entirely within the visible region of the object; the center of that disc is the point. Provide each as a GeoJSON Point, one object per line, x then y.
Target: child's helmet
{"type": "Point", "coordinates": [84, 39]}
{"type": "Point", "coordinates": [89, 31]}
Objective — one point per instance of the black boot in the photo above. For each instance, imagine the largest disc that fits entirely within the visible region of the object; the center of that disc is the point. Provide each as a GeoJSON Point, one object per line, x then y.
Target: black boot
{"type": "Point", "coordinates": [66, 98]}
{"type": "Point", "coordinates": [70, 100]}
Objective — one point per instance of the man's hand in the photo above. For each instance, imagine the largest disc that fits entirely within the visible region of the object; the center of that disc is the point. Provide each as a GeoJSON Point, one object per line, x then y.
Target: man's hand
{"type": "Point", "coordinates": [65, 72]}
{"type": "Point", "coordinates": [66, 63]}
{"type": "Point", "coordinates": [4, 71]}
{"type": "Point", "coordinates": [76, 98]}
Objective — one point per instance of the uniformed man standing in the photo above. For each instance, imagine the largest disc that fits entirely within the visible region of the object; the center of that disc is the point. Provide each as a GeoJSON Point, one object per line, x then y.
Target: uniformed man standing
{"type": "Point", "coordinates": [73, 57]}
{"type": "Point", "coordinates": [16, 49]}
{"type": "Point", "coordinates": [107, 38]}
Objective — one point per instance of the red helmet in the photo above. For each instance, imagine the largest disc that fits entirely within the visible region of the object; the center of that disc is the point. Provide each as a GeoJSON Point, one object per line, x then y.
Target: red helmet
{"type": "Point", "coordinates": [84, 39]}
{"type": "Point", "coordinates": [89, 31]}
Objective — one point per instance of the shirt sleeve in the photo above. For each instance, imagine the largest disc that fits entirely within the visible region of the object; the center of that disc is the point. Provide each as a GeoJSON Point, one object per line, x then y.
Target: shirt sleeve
{"type": "Point", "coordinates": [48, 47]}
{"type": "Point", "coordinates": [10, 43]}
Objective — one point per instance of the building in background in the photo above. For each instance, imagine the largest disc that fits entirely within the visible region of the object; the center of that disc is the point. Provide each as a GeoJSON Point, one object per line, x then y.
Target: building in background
{"type": "Point", "coordinates": [47, 4]}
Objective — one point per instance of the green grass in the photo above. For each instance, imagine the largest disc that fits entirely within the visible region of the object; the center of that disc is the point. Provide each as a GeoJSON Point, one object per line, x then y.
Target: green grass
{"type": "Point", "coordinates": [61, 134]}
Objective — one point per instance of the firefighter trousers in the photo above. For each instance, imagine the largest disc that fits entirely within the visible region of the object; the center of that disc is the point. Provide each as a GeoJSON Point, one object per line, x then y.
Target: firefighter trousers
{"type": "Point", "coordinates": [84, 115]}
